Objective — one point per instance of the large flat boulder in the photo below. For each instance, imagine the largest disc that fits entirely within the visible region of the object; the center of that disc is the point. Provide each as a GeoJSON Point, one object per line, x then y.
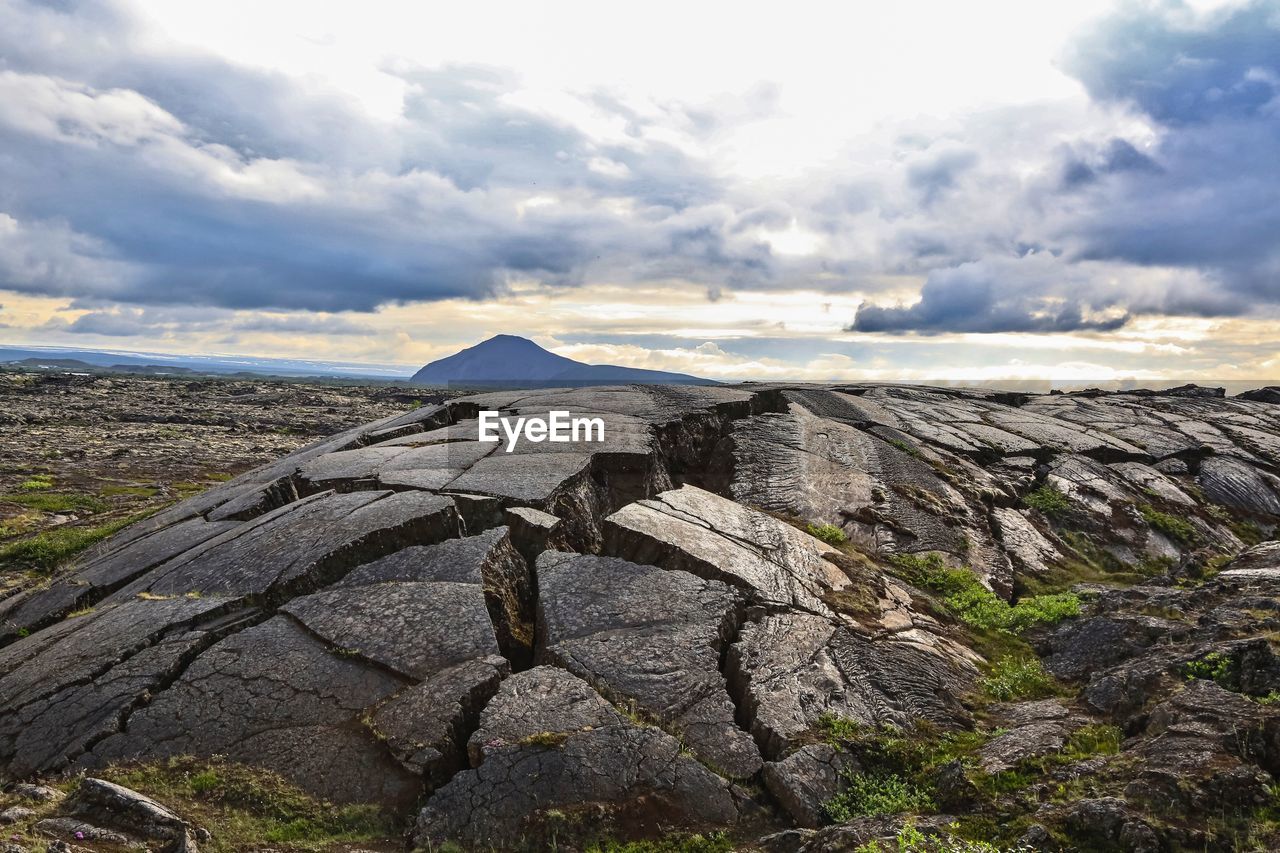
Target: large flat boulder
{"type": "Point", "coordinates": [651, 639]}
{"type": "Point", "coordinates": [792, 669]}
{"type": "Point", "coordinates": [704, 534]}
{"type": "Point", "coordinates": [549, 743]}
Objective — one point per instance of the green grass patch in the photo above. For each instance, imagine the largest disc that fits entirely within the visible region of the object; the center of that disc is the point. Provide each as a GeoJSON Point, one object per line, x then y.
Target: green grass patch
{"type": "Point", "coordinates": [828, 533]}
{"type": "Point", "coordinates": [1093, 739]}
{"type": "Point", "coordinates": [49, 549]}
{"type": "Point", "coordinates": [912, 840]}
{"type": "Point", "coordinates": [1013, 678]}
{"type": "Point", "coordinates": [900, 765]}
{"type": "Point", "coordinates": [36, 483]}
{"type": "Point", "coordinates": [129, 491]}
{"type": "Point", "coordinates": [243, 807]}
{"type": "Point", "coordinates": [1245, 530]}
{"type": "Point", "coordinates": [1248, 532]}
{"type": "Point", "coordinates": [968, 600]}
{"type": "Point", "coordinates": [1048, 500]}
{"type": "Point", "coordinates": [55, 501]}
{"type": "Point", "coordinates": [905, 447]}
{"type": "Point", "coordinates": [871, 794]}
{"type": "Point", "coordinates": [712, 842]}
{"type": "Point", "coordinates": [1177, 529]}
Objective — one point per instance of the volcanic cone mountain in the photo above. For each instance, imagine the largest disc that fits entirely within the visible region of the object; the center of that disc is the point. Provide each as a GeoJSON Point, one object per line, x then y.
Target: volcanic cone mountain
{"type": "Point", "coordinates": [508, 361]}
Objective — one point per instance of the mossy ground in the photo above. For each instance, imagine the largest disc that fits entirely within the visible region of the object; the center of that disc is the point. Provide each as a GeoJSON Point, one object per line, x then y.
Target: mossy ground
{"type": "Point", "coordinates": [242, 808]}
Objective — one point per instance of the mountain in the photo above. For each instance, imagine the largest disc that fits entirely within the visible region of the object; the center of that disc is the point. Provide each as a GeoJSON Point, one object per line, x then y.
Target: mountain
{"type": "Point", "coordinates": [509, 361]}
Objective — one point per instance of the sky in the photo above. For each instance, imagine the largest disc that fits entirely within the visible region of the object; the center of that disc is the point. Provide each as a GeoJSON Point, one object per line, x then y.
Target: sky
{"type": "Point", "coordinates": [917, 190]}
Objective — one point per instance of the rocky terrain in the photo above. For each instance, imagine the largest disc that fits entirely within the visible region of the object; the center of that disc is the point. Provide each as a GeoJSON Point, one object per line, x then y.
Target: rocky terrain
{"type": "Point", "coordinates": [82, 455]}
{"type": "Point", "coordinates": [766, 617]}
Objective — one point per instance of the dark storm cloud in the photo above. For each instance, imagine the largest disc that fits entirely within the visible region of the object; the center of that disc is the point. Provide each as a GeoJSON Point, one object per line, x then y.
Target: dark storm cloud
{"type": "Point", "coordinates": [1197, 202]}
{"type": "Point", "coordinates": [1117, 156]}
{"type": "Point", "coordinates": [1208, 195]}
{"type": "Point", "coordinates": [1180, 71]}
{"type": "Point", "coordinates": [980, 297]}
{"type": "Point", "coordinates": [170, 179]}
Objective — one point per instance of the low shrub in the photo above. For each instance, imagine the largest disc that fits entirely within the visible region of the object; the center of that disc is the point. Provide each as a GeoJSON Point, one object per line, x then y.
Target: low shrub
{"type": "Point", "coordinates": [48, 549]}
{"type": "Point", "coordinates": [871, 794]}
{"type": "Point", "coordinates": [1048, 500]}
{"type": "Point", "coordinates": [975, 605]}
{"type": "Point", "coordinates": [1018, 678]}
{"type": "Point", "coordinates": [828, 533]}
{"type": "Point", "coordinates": [1178, 529]}
{"type": "Point", "coordinates": [36, 483]}
{"type": "Point", "coordinates": [55, 501]}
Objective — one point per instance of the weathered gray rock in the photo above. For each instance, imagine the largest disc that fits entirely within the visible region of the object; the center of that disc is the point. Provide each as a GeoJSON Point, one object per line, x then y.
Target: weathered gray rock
{"type": "Point", "coordinates": [275, 697]}
{"type": "Point", "coordinates": [426, 725]}
{"type": "Point", "coordinates": [712, 537]}
{"type": "Point", "coordinates": [790, 670]}
{"type": "Point", "coordinates": [413, 628]}
{"type": "Point", "coordinates": [1035, 729]}
{"type": "Point", "coordinates": [488, 560]}
{"type": "Point", "coordinates": [549, 742]}
{"type": "Point", "coordinates": [70, 829]}
{"type": "Point", "coordinates": [1107, 823]}
{"type": "Point", "coordinates": [532, 531]}
{"type": "Point", "coordinates": [652, 639]}
{"type": "Point", "coordinates": [1232, 483]}
{"type": "Point", "coordinates": [15, 814]}
{"type": "Point", "coordinates": [103, 803]}
{"type": "Point", "coordinates": [69, 685]}
{"type": "Point", "coordinates": [309, 543]}
{"type": "Point", "coordinates": [807, 779]}
{"type": "Point", "coordinates": [1269, 394]}
{"type": "Point", "coordinates": [36, 793]}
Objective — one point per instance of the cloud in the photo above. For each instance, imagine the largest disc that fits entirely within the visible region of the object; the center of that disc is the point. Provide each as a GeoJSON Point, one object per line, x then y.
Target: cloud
{"type": "Point", "coordinates": [1207, 195]}
{"type": "Point", "coordinates": [139, 176]}
{"type": "Point", "coordinates": [938, 171]}
{"type": "Point", "coordinates": [1183, 68]}
{"type": "Point", "coordinates": [237, 188]}
{"type": "Point", "coordinates": [1026, 295]}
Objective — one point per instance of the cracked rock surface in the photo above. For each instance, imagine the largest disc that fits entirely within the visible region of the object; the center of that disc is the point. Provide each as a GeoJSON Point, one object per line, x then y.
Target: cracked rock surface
{"type": "Point", "coordinates": [645, 634]}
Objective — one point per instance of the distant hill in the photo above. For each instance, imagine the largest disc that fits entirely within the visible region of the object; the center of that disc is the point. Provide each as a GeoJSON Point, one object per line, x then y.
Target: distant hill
{"type": "Point", "coordinates": [75, 365]}
{"type": "Point", "coordinates": [163, 364]}
{"type": "Point", "coordinates": [509, 361]}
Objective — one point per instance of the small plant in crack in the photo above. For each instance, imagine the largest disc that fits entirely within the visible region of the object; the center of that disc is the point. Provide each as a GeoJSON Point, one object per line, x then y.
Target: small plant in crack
{"type": "Point", "coordinates": [549, 740]}
{"type": "Point", "coordinates": [828, 533]}
{"type": "Point", "coordinates": [1048, 500]}
{"type": "Point", "coordinates": [1179, 530]}
{"type": "Point", "coordinates": [1018, 678]}
{"type": "Point", "coordinates": [1214, 666]}
{"type": "Point", "coordinates": [878, 793]}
